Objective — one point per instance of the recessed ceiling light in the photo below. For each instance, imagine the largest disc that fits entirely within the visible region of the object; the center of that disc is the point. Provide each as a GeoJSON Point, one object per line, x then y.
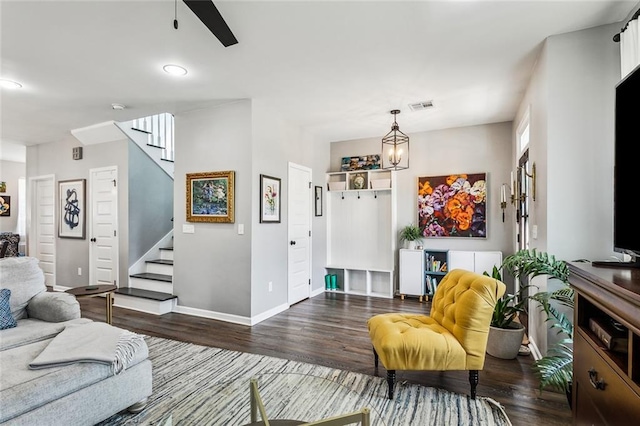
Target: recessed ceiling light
{"type": "Point", "coordinates": [174, 69]}
{"type": "Point", "coordinates": [118, 107]}
{"type": "Point", "coordinates": [9, 84]}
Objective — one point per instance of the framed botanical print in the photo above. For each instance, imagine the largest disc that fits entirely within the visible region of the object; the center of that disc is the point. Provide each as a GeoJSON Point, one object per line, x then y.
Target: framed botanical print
{"type": "Point", "coordinates": [72, 213]}
{"type": "Point", "coordinates": [210, 197]}
{"type": "Point", "coordinates": [269, 199]}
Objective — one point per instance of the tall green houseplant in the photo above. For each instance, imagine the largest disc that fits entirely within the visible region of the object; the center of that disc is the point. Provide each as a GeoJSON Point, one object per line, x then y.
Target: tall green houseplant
{"type": "Point", "coordinates": [555, 369]}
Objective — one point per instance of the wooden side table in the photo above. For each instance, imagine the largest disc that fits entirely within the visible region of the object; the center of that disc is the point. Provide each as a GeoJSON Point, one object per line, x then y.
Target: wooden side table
{"type": "Point", "coordinates": [97, 290]}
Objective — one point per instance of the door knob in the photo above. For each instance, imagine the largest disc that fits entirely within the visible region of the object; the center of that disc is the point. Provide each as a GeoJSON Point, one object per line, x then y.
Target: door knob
{"type": "Point", "coordinates": [93, 240]}
{"type": "Point", "coordinates": [293, 243]}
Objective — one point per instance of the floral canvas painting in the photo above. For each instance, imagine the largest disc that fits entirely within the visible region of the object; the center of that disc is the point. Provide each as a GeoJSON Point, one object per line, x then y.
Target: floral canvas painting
{"type": "Point", "coordinates": [270, 199]}
{"type": "Point", "coordinates": [210, 197]}
{"type": "Point", "coordinates": [453, 205]}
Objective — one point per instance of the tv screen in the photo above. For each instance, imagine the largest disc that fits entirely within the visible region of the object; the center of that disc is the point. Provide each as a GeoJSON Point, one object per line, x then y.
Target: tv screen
{"type": "Point", "coordinates": [626, 225]}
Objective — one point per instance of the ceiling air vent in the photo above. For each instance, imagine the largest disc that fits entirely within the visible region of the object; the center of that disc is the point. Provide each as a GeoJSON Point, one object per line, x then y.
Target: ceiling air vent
{"type": "Point", "coordinates": [421, 105]}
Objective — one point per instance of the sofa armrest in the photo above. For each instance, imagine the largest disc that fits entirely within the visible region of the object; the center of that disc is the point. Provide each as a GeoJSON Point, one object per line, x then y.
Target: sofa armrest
{"type": "Point", "coordinates": [53, 307]}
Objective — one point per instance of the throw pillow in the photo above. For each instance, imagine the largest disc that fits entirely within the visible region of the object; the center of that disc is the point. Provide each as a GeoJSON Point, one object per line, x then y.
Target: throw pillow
{"type": "Point", "coordinates": [14, 241]}
{"type": "Point", "coordinates": [6, 319]}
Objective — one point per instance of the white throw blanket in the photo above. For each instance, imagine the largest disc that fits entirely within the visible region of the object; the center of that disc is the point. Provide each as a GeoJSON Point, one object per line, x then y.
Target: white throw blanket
{"type": "Point", "coordinates": [90, 342]}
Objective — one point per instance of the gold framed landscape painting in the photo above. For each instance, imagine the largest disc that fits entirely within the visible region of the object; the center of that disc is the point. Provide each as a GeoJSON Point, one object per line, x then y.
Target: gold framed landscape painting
{"type": "Point", "coordinates": [210, 197]}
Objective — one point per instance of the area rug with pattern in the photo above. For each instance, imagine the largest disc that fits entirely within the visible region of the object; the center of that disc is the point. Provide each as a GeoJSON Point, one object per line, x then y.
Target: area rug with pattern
{"type": "Point", "coordinates": [200, 385]}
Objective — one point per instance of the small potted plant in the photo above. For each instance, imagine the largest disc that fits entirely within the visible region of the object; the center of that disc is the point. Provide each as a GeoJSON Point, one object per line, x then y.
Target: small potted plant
{"type": "Point", "coordinates": [410, 235]}
{"type": "Point", "coordinates": [506, 332]}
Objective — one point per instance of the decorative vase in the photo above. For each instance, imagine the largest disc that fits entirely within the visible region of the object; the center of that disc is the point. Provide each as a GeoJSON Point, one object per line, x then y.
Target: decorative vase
{"type": "Point", "coordinates": [358, 182]}
{"type": "Point", "coordinates": [411, 245]}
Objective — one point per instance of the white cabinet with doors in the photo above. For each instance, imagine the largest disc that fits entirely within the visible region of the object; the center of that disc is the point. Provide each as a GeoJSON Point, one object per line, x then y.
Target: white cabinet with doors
{"type": "Point", "coordinates": [361, 231]}
{"type": "Point", "coordinates": [476, 261]}
{"type": "Point", "coordinates": [412, 278]}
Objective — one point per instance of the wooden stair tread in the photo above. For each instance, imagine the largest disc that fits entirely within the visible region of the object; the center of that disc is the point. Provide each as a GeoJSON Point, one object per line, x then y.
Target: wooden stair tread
{"type": "Point", "coordinates": [152, 276]}
{"type": "Point", "coordinates": [160, 261]}
{"type": "Point", "coordinates": [145, 294]}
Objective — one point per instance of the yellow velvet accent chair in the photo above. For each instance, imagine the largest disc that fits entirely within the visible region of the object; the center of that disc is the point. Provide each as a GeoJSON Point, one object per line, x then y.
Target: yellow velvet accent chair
{"type": "Point", "coordinates": [452, 337]}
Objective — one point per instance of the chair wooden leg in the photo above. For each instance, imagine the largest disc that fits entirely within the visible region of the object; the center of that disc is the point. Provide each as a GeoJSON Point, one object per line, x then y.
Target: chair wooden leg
{"type": "Point", "coordinates": [375, 359]}
{"type": "Point", "coordinates": [391, 380]}
{"type": "Point", "coordinates": [473, 380]}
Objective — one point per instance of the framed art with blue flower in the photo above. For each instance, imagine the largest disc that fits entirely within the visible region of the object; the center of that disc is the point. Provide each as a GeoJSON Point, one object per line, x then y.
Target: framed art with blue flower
{"type": "Point", "coordinates": [210, 197]}
{"type": "Point", "coordinates": [453, 205]}
{"type": "Point", "coordinates": [5, 205]}
{"type": "Point", "coordinates": [269, 199]}
{"type": "Point", "coordinates": [71, 205]}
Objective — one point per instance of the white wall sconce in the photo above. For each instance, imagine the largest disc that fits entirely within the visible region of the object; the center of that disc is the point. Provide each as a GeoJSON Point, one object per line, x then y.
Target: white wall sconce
{"type": "Point", "coordinates": [516, 194]}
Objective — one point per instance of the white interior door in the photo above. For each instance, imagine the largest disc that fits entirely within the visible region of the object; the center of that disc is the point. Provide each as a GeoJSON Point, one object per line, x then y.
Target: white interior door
{"type": "Point", "coordinates": [41, 234]}
{"type": "Point", "coordinates": [299, 220]}
{"type": "Point", "coordinates": [103, 252]}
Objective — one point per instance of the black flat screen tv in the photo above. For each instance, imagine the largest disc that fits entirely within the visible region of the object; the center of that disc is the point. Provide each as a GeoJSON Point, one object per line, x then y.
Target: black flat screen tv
{"type": "Point", "coordinates": [626, 174]}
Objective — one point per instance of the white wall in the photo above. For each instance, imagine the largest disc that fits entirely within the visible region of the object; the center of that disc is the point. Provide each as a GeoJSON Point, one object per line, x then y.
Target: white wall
{"type": "Point", "coordinates": [55, 158]}
{"type": "Point", "coordinates": [571, 98]}
{"type": "Point", "coordinates": [212, 267]}
{"type": "Point", "coordinates": [583, 69]}
{"type": "Point", "coordinates": [10, 171]}
{"type": "Point", "coordinates": [270, 154]}
{"type": "Point", "coordinates": [473, 149]}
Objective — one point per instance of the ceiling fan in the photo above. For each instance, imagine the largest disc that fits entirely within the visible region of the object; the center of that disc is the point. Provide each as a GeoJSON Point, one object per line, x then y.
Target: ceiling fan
{"type": "Point", "coordinates": [208, 13]}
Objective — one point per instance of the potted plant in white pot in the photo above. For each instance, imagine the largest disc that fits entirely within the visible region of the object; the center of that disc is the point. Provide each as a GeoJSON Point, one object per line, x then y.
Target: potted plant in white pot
{"type": "Point", "coordinates": [410, 235]}
{"type": "Point", "coordinates": [555, 369]}
{"type": "Point", "coordinates": [506, 332]}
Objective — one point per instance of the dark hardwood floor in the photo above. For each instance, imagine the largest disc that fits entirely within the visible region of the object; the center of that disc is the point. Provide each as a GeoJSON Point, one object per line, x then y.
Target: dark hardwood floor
{"type": "Point", "coordinates": [330, 329]}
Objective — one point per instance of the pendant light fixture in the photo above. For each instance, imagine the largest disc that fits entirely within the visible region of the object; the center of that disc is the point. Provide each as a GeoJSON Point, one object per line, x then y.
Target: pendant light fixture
{"type": "Point", "coordinates": [395, 147]}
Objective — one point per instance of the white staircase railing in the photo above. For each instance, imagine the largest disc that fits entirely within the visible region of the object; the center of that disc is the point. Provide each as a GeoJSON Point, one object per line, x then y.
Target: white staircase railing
{"type": "Point", "coordinates": [160, 132]}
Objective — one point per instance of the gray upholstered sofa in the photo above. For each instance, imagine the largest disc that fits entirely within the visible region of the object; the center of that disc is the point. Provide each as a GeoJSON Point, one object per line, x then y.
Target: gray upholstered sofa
{"type": "Point", "coordinates": [76, 394]}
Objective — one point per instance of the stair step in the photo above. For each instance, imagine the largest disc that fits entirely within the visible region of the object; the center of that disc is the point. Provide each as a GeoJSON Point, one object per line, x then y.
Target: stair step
{"type": "Point", "coordinates": [145, 294]}
{"type": "Point", "coordinates": [166, 253]}
{"type": "Point", "coordinates": [161, 261]}
{"type": "Point", "coordinates": [152, 276]}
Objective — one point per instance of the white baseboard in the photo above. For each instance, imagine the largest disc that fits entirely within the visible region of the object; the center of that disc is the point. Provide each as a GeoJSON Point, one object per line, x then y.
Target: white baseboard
{"type": "Point", "coordinates": [317, 292]}
{"type": "Point", "coordinates": [236, 319]}
{"type": "Point", "coordinates": [534, 349]}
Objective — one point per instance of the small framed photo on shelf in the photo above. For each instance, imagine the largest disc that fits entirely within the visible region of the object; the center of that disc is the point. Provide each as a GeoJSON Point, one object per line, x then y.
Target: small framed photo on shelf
{"type": "Point", "coordinates": [269, 199]}
{"type": "Point", "coordinates": [318, 199]}
{"type": "Point", "coordinates": [71, 196]}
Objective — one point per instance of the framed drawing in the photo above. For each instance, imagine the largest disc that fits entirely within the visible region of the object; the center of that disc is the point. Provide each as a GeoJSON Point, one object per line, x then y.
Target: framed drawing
{"type": "Point", "coordinates": [269, 199]}
{"type": "Point", "coordinates": [71, 199]}
{"type": "Point", "coordinates": [210, 197]}
{"type": "Point", "coordinates": [5, 205]}
{"type": "Point", "coordinates": [453, 205]}
{"type": "Point", "coordinates": [318, 195]}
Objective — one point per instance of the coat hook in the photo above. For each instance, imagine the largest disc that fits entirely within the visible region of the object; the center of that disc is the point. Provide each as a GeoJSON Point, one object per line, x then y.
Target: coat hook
{"type": "Point", "coordinates": [375, 194]}
{"type": "Point", "coordinates": [342, 195]}
{"type": "Point", "coordinates": [358, 195]}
